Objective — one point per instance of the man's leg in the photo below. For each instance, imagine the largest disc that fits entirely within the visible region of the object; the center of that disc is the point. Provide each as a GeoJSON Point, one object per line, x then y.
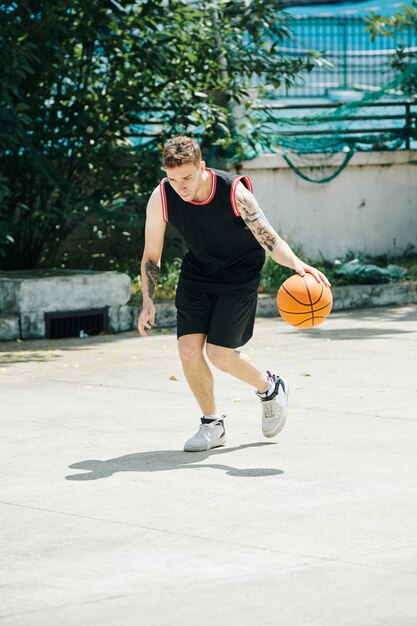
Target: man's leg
{"type": "Point", "coordinates": [197, 371]}
{"type": "Point", "coordinates": [272, 389]}
{"type": "Point", "coordinates": [237, 364]}
{"type": "Point", "coordinates": [211, 433]}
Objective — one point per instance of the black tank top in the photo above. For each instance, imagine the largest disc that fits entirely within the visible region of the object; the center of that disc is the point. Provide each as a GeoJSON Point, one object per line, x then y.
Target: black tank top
{"type": "Point", "coordinates": [223, 255]}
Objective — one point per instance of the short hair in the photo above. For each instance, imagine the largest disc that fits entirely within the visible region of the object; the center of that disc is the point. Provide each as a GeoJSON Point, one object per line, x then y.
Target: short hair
{"type": "Point", "coordinates": [180, 150]}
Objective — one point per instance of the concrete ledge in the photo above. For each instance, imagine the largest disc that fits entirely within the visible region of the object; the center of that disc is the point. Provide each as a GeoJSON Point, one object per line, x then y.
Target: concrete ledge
{"type": "Point", "coordinates": [26, 296]}
{"type": "Point", "coordinates": [356, 297]}
{"type": "Point", "coordinates": [344, 297]}
{"type": "Point", "coordinates": [276, 161]}
{"type": "Point", "coordinates": [64, 290]}
{"type": "Point", "coordinates": [125, 317]}
{"type": "Point", "coordinates": [362, 296]}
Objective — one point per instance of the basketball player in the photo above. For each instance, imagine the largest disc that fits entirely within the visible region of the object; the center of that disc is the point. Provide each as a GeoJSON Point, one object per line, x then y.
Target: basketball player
{"type": "Point", "coordinates": [227, 235]}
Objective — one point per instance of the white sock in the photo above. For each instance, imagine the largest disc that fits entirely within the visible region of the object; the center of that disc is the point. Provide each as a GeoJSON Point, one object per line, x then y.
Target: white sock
{"type": "Point", "coordinates": [213, 417]}
{"type": "Point", "coordinates": [268, 390]}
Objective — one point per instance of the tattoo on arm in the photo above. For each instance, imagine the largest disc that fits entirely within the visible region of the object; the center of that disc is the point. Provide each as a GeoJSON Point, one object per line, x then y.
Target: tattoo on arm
{"type": "Point", "coordinates": [255, 219]}
{"type": "Point", "coordinates": [152, 274]}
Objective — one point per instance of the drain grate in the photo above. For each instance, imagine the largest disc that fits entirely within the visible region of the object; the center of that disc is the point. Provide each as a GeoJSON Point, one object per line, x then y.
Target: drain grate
{"type": "Point", "coordinates": [64, 324]}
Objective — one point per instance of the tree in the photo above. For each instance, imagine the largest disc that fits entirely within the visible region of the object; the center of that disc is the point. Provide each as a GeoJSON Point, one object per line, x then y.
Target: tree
{"type": "Point", "coordinates": [91, 89]}
{"type": "Point", "coordinates": [399, 25]}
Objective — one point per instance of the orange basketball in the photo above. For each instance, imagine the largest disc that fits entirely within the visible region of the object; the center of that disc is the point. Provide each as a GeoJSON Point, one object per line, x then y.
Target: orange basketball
{"type": "Point", "coordinates": [303, 302]}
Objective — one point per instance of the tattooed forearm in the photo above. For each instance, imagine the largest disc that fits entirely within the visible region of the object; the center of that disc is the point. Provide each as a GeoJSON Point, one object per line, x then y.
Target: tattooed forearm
{"type": "Point", "coordinates": [152, 273]}
{"type": "Point", "coordinates": [266, 238]}
{"type": "Point", "coordinates": [255, 219]}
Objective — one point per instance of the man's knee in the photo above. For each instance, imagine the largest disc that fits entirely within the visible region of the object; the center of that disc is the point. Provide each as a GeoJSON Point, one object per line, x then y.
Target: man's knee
{"type": "Point", "coordinates": [220, 357]}
{"type": "Point", "coordinates": [190, 348]}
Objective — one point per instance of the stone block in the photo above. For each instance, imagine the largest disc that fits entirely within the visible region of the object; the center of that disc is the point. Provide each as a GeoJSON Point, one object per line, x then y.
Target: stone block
{"type": "Point", "coordinates": [166, 315]}
{"type": "Point", "coordinates": [32, 324]}
{"type": "Point", "coordinates": [120, 318]}
{"type": "Point", "coordinates": [362, 296]}
{"type": "Point", "coordinates": [7, 294]}
{"type": "Point", "coordinates": [125, 318]}
{"type": "Point", "coordinates": [62, 290]}
{"type": "Point", "coordinates": [266, 306]}
{"type": "Point", "coordinates": [113, 315]}
{"type": "Point", "coordinates": [9, 327]}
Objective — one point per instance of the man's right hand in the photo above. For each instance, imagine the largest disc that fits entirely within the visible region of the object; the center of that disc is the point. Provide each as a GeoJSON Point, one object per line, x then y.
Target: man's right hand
{"type": "Point", "coordinates": [146, 319]}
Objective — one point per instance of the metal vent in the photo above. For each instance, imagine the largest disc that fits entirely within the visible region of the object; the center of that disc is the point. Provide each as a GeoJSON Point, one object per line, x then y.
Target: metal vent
{"type": "Point", "coordinates": [61, 325]}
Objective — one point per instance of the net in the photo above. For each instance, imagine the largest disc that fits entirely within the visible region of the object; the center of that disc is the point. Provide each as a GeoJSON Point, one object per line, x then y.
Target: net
{"type": "Point", "coordinates": [319, 145]}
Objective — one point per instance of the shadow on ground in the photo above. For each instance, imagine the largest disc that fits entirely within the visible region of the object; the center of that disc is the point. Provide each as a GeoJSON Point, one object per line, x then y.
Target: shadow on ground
{"type": "Point", "coordinates": [402, 313]}
{"type": "Point", "coordinates": [43, 350]}
{"type": "Point", "coordinates": [164, 460]}
{"type": "Point", "coordinates": [11, 358]}
{"type": "Point", "coordinates": [353, 334]}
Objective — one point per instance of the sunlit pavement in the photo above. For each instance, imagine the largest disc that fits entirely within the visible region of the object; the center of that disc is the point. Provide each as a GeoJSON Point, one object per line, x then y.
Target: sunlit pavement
{"type": "Point", "coordinates": [106, 521]}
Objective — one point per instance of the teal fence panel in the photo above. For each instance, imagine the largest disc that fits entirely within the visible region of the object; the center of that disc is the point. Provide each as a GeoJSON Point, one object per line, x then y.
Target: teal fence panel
{"type": "Point", "coordinates": [357, 62]}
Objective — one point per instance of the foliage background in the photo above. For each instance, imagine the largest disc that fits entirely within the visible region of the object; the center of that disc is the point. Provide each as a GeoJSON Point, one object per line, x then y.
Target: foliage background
{"type": "Point", "coordinates": [404, 59]}
{"type": "Point", "coordinates": [80, 78]}
{"type": "Point", "coordinates": [82, 82]}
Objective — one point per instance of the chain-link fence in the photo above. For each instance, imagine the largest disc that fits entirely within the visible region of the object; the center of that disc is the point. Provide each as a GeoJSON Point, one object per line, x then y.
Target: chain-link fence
{"type": "Point", "coordinates": [356, 61]}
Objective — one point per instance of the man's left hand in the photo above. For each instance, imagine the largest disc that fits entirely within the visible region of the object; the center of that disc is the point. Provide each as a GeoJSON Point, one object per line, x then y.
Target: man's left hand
{"type": "Point", "coordinates": [303, 269]}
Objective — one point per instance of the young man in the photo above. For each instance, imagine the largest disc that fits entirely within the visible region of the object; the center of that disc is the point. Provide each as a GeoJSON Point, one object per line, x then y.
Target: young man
{"type": "Point", "coordinates": [227, 235]}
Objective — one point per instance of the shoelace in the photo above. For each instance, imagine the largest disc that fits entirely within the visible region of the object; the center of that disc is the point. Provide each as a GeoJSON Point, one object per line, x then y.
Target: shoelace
{"type": "Point", "coordinates": [204, 429]}
{"type": "Point", "coordinates": [268, 409]}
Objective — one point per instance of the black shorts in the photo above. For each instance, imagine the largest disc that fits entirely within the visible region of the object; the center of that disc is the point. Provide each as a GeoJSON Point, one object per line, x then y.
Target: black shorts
{"type": "Point", "coordinates": [227, 321]}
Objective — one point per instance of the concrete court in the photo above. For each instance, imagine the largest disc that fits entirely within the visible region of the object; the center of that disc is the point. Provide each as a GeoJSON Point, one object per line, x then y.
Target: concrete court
{"type": "Point", "coordinates": [106, 521]}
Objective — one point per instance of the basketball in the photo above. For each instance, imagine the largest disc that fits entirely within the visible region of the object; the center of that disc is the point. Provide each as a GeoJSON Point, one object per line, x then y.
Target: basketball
{"type": "Point", "coordinates": [303, 302]}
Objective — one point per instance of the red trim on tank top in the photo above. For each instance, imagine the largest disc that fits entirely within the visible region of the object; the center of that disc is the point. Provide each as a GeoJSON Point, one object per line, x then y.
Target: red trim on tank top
{"type": "Point", "coordinates": [213, 188]}
{"type": "Point", "coordinates": [249, 185]}
{"type": "Point", "coordinates": [164, 199]}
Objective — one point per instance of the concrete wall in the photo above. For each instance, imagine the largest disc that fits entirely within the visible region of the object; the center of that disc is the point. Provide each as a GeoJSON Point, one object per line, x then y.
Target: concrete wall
{"type": "Point", "coordinates": [370, 207]}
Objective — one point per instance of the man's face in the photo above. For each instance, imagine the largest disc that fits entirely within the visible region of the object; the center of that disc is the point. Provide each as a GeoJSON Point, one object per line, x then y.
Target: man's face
{"type": "Point", "coordinates": [186, 179]}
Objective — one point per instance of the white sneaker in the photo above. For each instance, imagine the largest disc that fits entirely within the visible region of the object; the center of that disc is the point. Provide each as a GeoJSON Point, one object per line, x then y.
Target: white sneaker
{"type": "Point", "coordinates": [209, 435]}
{"type": "Point", "coordinates": [274, 407]}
